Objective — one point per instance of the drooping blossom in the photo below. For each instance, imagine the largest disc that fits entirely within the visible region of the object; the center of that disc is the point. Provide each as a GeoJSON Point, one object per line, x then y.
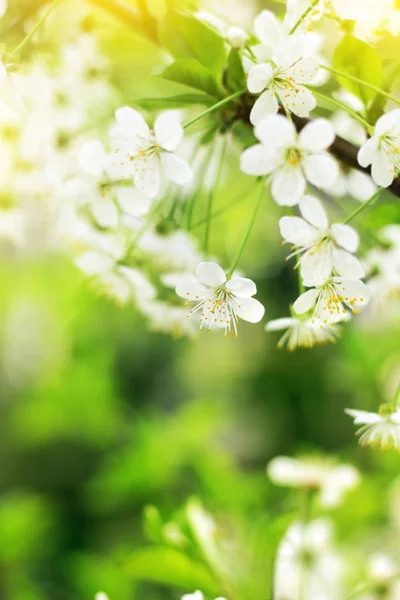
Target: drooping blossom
{"type": "Point", "coordinates": [380, 429]}
{"type": "Point", "coordinates": [302, 332]}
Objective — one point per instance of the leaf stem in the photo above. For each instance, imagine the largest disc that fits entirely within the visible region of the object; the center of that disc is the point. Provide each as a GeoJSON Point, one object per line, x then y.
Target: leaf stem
{"type": "Point", "coordinates": [247, 235]}
{"type": "Point", "coordinates": [364, 205]}
{"type": "Point", "coordinates": [303, 16]}
{"type": "Point", "coordinates": [212, 193]}
{"type": "Point", "coordinates": [361, 82]}
{"type": "Point", "coordinates": [349, 110]}
{"type": "Point", "coordinates": [28, 37]}
{"type": "Point", "coordinates": [215, 107]}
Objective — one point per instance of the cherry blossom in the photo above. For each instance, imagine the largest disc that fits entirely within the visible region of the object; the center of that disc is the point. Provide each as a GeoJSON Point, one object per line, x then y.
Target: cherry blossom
{"type": "Point", "coordinates": [378, 429]}
{"type": "Point", "coordinates": [382, 150]}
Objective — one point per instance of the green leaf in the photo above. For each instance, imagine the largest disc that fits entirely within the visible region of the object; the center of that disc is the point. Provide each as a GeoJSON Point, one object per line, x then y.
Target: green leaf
{"type": "Point", "coordinates": [191, 73]}
{"type": "Point", "coordinates": [187, 37]}
{"type": "Point", "coordinates": [178, 101]}
{"type": "Point", "coordinates": [235, 76]}
{"type": "Point", "coordinates": [171, 567]}
{"type": "Point", "coordinates": [356, 58]}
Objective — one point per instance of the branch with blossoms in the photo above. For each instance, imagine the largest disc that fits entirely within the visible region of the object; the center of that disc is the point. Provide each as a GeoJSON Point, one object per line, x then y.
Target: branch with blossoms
{"type": "Point", "coordinates": [304, 126]}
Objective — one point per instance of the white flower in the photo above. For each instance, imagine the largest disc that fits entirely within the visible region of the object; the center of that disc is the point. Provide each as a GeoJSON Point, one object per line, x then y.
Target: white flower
{"type": "Point", "coordinates": [291, 159]}
{"type": "Point", "coordinates": [302, 332]}
{"type": "Point", "coordinates": [197, 595]}
{"type": "Point", "coordinates": [330, 301]}
{"type": "Point", "coordinates": [101, 596]}
{"type": "Point", "coordinates": [282, 78]}
{"type": "Point", "coordinates": [378, 429]}
{"type": "Point", "coordinates": [324, 248]}
{"type": "Point", "coordinates": [220, 302]}
{"type": "Point", "coordinates": [146, 155]}
{"type": "Point", "coordinates": [236, 37]}
{"type": "Point", "coordinates": [329, 480]}
{"type": "Point", "coordinates": [382, 150]}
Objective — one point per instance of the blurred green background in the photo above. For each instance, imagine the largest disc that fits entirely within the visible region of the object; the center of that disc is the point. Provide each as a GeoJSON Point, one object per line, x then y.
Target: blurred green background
{"type": "Point", "coordinates": [101, 417]}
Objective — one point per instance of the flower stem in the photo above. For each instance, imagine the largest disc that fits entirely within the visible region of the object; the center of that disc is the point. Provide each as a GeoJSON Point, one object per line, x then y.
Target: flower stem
{"type": "Point", "coordinates": [361, 82]}
{"type": "Point", "coordinates": [364, 205]}
{"type": "Point", "coordinates": [28, 37]}
{"type": "Point", "coordinates": [215, 107]}
{"type": "Point", "coordinates": [303, 16]}
{"type": "Point", "coordinates": [247, 235]}
{"type": "Point", "coordinates": [343, 106]}
{"type": "Point", "coordinates": [212, 194]}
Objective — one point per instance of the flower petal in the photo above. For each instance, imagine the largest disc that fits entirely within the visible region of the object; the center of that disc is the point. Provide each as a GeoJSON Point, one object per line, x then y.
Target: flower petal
{"type": "Point", "coordinates": [347, 265]}
{"type": "Point", "coordinates": [279, 324]}
{"type": "Point", "coordinates": [305, 302]}
{"type": "Point", "coordinates": [320, 169]}
{"type": "Point", "coordinates": [257, 160]}
{"type": "Point", "coordinates": [382, 170]}
{"type": "Point", "coordinates": [176, 169]}
{"type": "Point", "coordinates": [192, 289]}
{"type": "Point", "coordinates": [132, 121]}
{"type": "Point", "coordinates": [259, 77]}
{"type": "Point", "coordinates": [367, 152]}
{"type": "Point", "coordinates": [92, 157]}
{"type": "Point", "coordinates": [242, 287]}
{"type": "Point", "coordinates": [313, 211]}
{"type": "Point", "coordinates": [210, 274]}
{"type": "Point", "coordinates": [268, 29]}
{"type": "Point", "coordinates": [276, 131]}
{"type": "Point", "coordinates": [316, 265]}
{"type": "Point", "coordinates": [317, 135]}
{"type": "Point", "coordinates": [296, 231]}
{"type": "Point", "coordinates": [345, 236]}
{"type": "Point", "coordinates": [289, 51]}
{"type": "Point", "coordinates": [360, 185]}
{"type": "Point", "coordinates": [265, 105]}
{"type": "Point", "coordinates": [288, 186]}
{"type": "Point", "coordinates": [355, 292]}
{"type": "Point", "coordinates": [105, 213]}
{"type": "Point", "coordinates": [362, 417]}
{"type": "Point", "coordinates": [250, 309]}
{"type": "Point", "coordinates": [304, 70]}
{"type": "Point", "coordinates": [387, 122]}
{"type": "Point", "coordinates": [132, 201]}
{"type": "Point", "coordinates": [298, 100]}
{"type": "Point", "coordinates": [168, 130]}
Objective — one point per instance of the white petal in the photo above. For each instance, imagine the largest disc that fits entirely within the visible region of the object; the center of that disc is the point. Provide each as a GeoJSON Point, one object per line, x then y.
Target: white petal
{"type": "Point", "coordinates": [242, 287]}
{"type": "Point", "coordinates": [347, 265]}
{"type": "Point", "coordinates": [168, 130]}
{"type": "Point", "coordinates": [313, 211]}
{"type": "Point", "coordinates": [250, 309]}
{"type": "Point", "coordinates": [176, 169]}
{"type": "Point", "coordinates": [316, 265]}
{"type": "Point", "coordinates": [382, 170]}
{"type": "Point", "coordinates": [305, 301]}
{"type": "Point", "coordinates": [132, 121]}
{"type": "Point", "coordinates": [142, 286]}
{"type": "Point", "coordinates": [268, 29]}
{"type": "Point", "coordinates": [362, 417]}
{"type": "Point", "coordinates": [289, 51]}
{"type": "Point", "coordinates": [210, 274]}
{"type": "Point", "coordinates": [265, 105]}
{"type": "Point", "coordinates": [147, 176]}
{"type": "Point", "coordinates": [94, 263]}
{"type": "Point", "coordinates": [298, 100]}
{"type": "Point", "coordinates": [360, 185]}
{"type": "Point", "coordinates": [276, 131]}
{"type": "Point", "coordinates": [387, 122]}
{"type": "Point", "coordinates": [296, 231]}
{"type": "Point", "coordinates": [367, 152]}
{"type": "Point", "coordinates": [304, 71]}
{"type": "Point", "coordinates": [105, 213]}
{"type": "Point", "coordinates": [317, 135]}
{"type": "Point", "coordinates": [355, 291]}
{"type": "Point", "coordinates": [257, 160]}
{"type": "Point", "coordinates": [92, 157]}
{"type": "Point", "coordinates": [279, 324]}
{"type": "Point", "coordinates": [259, 77]}
{"type": "Point", "coordinates": [345, 236]}
{"type": "Point", "coordinates": [132, 201]}
{"type": "Point", "coordinates": [288, 186]}
{"type": "Point", "coordinates": [191, 289]}
{"type": "Point", "coordinates": [320, 169]}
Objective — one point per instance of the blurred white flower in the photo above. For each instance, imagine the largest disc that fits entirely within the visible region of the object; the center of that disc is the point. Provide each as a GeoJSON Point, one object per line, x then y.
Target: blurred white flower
{"type": "Point", "coordinates": [220, 302]}
{"type": "Point", "coordinates": [378, 429]}
{"type": "Point", "coordinates": [382, 150]}
{"type": "Point", "coordinates": [324, 248]}
{"type": "Point", "coordinates": [302, 332]}
{"type": "Point", "coordinates": [330, 480]}
{"type": "Point", "coordinates": [101, 596]}
{"type": "Point", "coordinates": [146, 155]}
{"type": "Point", "coordinates": [291, 159]}
{"type": "Point", "coordinates": [330, 301]}
{"type": "Point", "coordinates": [197, 595]}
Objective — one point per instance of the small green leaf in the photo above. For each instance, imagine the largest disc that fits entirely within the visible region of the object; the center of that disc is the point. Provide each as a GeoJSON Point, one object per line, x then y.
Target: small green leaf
{"type": "Point", "coordinates": [171, 567]}
{"type": "Point", "coordinates": [153, 524]}
{"type": "Point", "coordinates": [187, 37]}
{"type": "Point", "coordinates": [191, 73]}
{"type": "Point", "coordinates": [235, 76]}
{"type": "Point", "coordinates": [178, 101]}
{"type": "Point", "coordinates": [356, 58]}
